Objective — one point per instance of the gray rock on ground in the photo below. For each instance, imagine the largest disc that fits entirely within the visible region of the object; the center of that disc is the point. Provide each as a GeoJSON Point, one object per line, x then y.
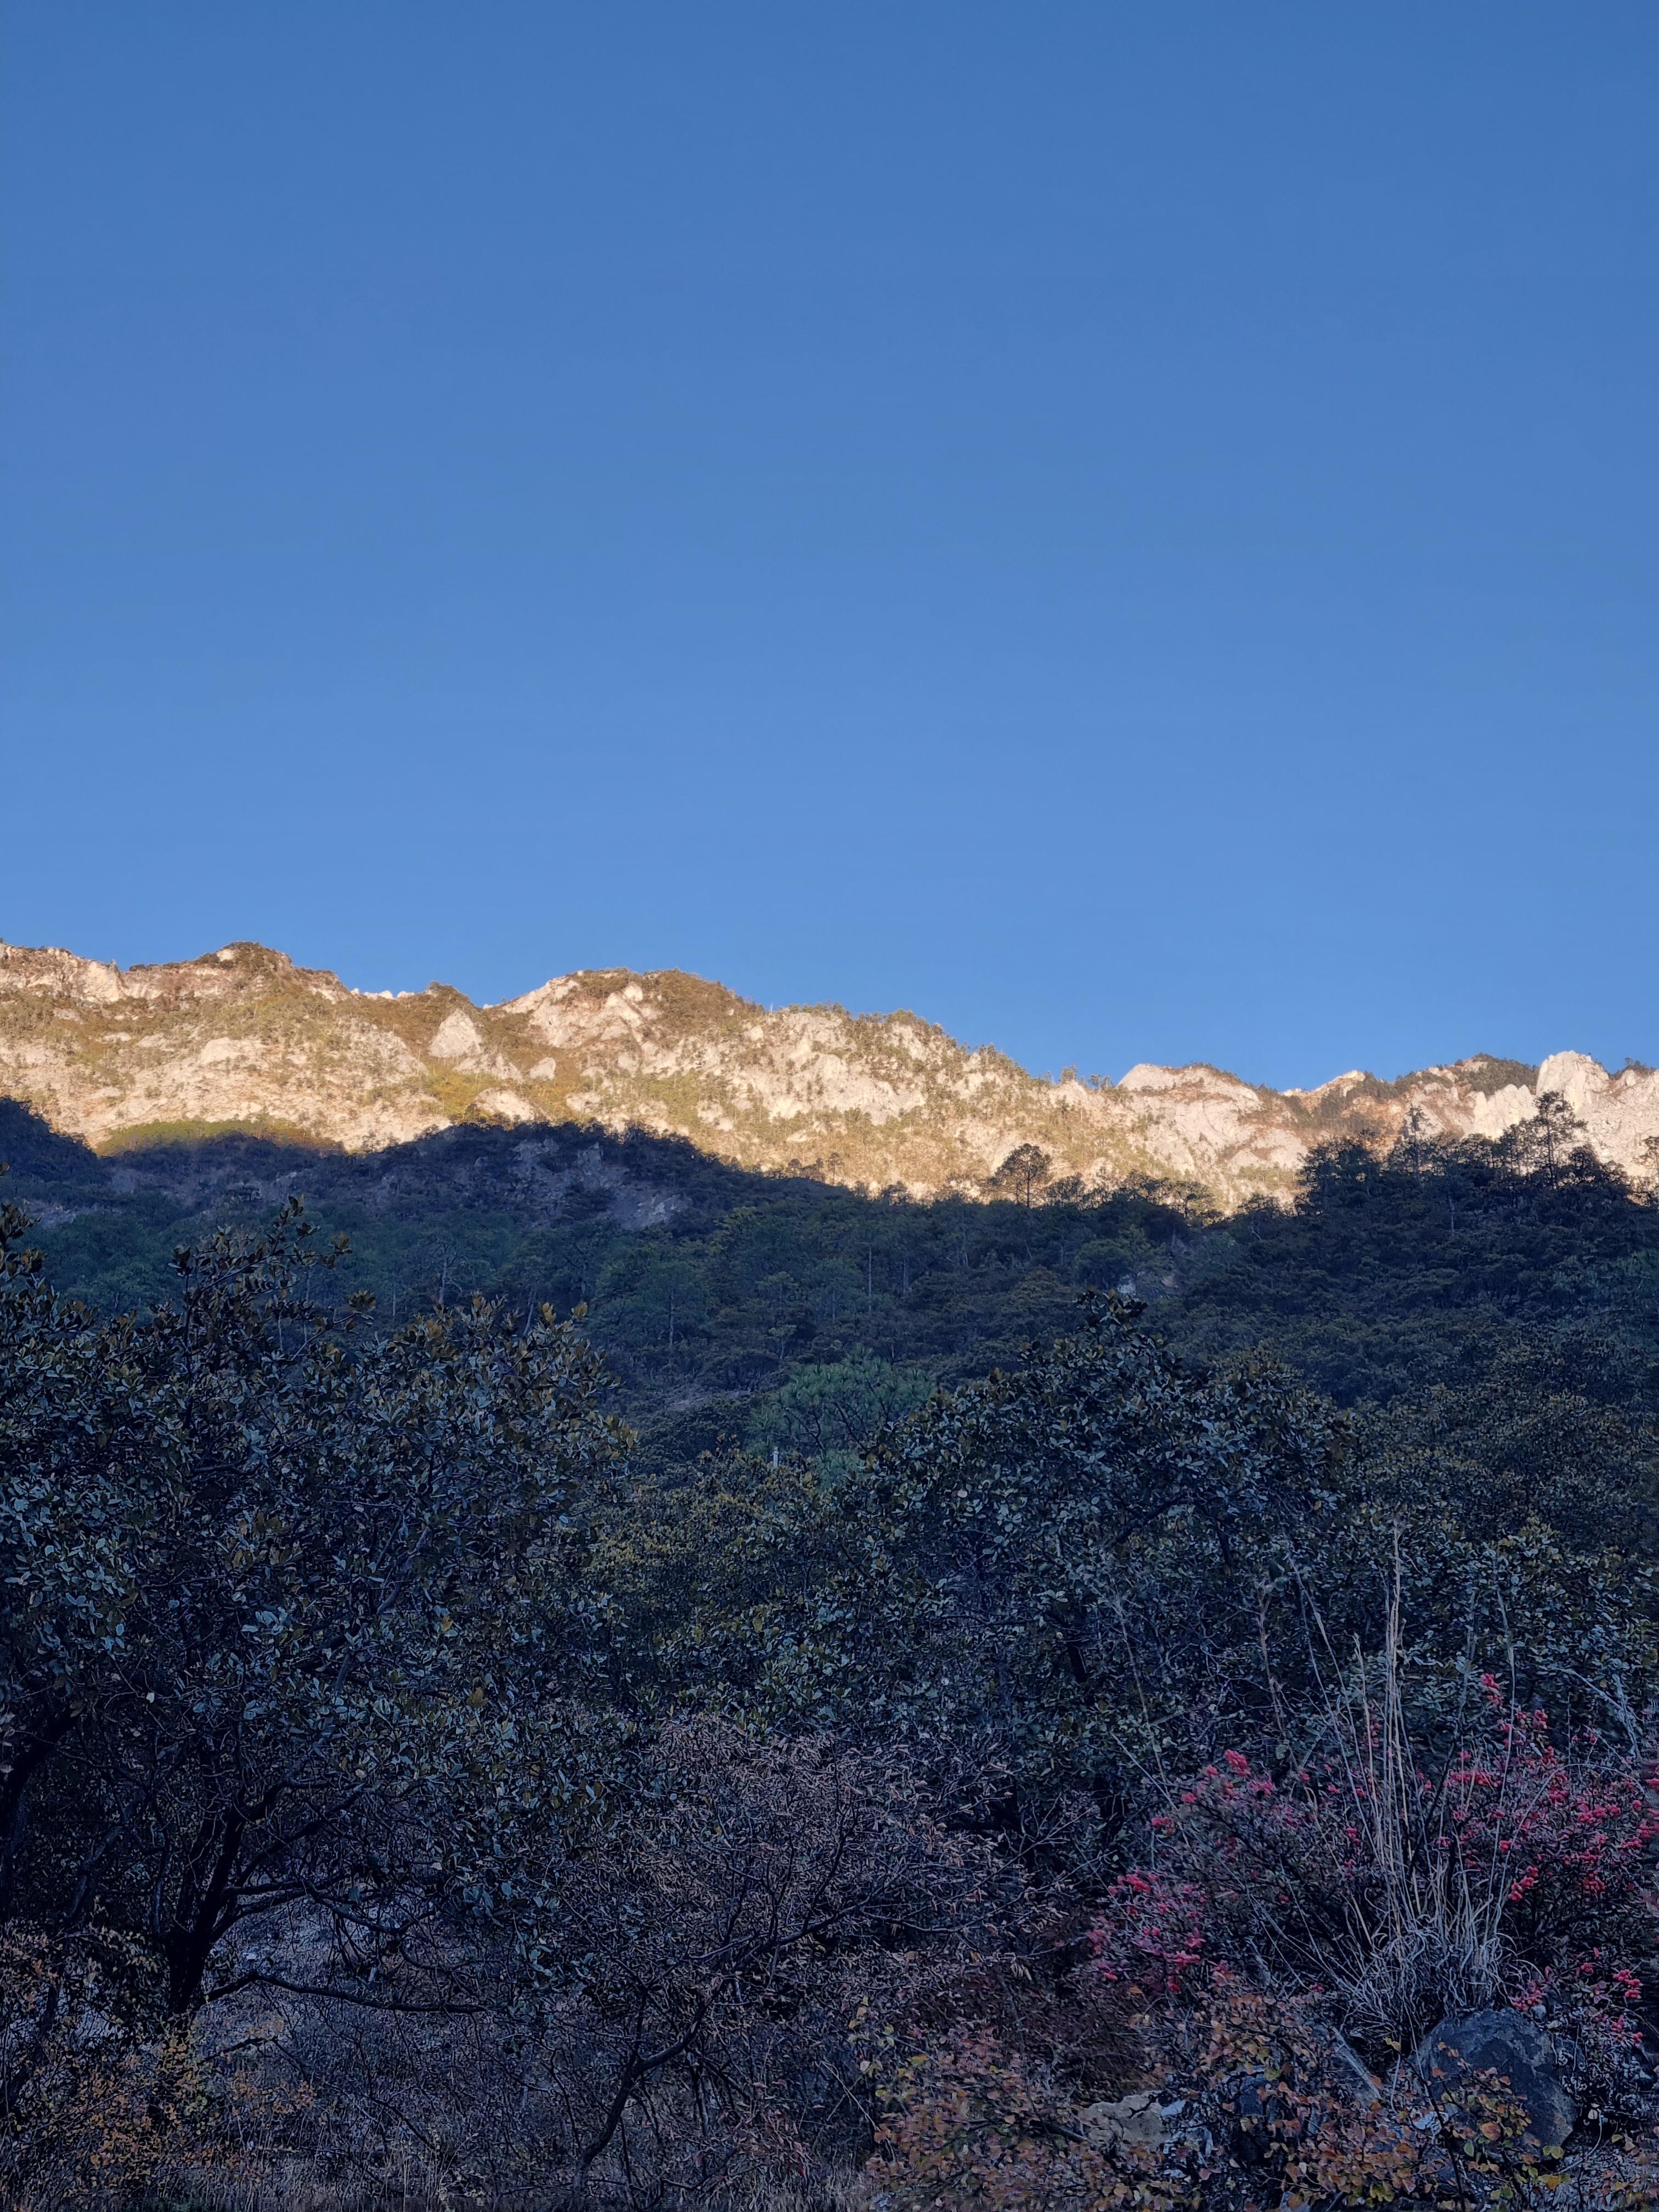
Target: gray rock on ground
{"type": "Point", "coordinates": [1136, 2118]}
{"type": "Point", "coordinates": [1508, 2044]}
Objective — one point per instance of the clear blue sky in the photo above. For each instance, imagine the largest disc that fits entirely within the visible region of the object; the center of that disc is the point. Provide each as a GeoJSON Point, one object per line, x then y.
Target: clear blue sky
{"type": "Point", "coordinates": [1131, 530]}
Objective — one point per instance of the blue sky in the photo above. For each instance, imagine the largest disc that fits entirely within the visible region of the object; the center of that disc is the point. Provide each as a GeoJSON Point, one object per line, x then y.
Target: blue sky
{"type": "Point", "coordinates": [1130, 530]}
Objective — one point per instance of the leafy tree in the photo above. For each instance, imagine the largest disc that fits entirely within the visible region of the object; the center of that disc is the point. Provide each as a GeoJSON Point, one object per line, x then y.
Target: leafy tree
{"type": "Point", "coordinates": [1113, 1531]}
{"type": "Point", "coordinates": [1030, 1574]}
{"type": "Point", "coordinates": [654, 1297]}
{"type": "Point", "coordinates": [284, 1600]}
{"type": "Point", "coordinates": [831, 1414]}
{"type": "Point", "coordinates": [1548, 1138]}
{"type": "Point", "coordinates": [1022, 1175]}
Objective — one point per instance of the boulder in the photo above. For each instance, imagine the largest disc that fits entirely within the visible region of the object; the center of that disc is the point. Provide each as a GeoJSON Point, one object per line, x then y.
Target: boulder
{"type": "Point", "coordinates": [1136, 2118]}
{"type": "Point", "coordinates": [1508, 2044]}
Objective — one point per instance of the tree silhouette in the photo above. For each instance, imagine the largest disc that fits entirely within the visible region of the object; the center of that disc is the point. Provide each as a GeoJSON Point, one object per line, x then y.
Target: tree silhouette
{"type": "Point", "coordinates": [1022, 1175]}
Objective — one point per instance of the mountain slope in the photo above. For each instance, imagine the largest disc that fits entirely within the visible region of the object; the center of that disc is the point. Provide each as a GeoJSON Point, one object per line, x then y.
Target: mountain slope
{"type": "Point", "coordinates": [242, 1038]}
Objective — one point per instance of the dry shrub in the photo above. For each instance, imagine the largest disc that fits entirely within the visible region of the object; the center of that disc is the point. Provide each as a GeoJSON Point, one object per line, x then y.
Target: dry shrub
{"type": "Point", "coordinates": [1257, 2106]}
{"type": "Point", "coordinates": [100, 2100]}
{"type": "Point", "coordinates": [972, 2123]}
{"type": "Point", "coordinates": [680, 2033]}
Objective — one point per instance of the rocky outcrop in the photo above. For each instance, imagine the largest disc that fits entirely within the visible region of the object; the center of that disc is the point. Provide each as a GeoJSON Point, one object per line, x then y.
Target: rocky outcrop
{"type": "Point", "coordinates": [1504, 2048]}
{"type": "Point", "coordinates": [242, 1038]}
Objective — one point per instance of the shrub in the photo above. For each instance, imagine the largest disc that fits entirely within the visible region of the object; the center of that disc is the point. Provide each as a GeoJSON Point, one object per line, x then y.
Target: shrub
{"type": "Point", "coordinates": [1402, 1888]}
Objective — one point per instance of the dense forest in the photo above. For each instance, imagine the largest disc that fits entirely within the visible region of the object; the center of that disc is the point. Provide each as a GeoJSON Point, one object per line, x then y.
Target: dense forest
{"type": "Point", "coordinates": [543, 1671]}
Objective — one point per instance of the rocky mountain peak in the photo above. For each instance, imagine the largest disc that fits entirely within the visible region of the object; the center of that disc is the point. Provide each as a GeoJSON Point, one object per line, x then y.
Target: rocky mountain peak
{"type": "Point", "coordinates": [242, 1038]}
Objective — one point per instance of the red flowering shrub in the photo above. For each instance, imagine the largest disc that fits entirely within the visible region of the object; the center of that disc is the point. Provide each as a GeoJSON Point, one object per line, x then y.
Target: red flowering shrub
{"type": "Point", "coordinates": [1154, 1935]}
{"type": "Point", "coordinates": [1279, 1921]}
{"type": "Point", "coordinates": [1401, 1888]}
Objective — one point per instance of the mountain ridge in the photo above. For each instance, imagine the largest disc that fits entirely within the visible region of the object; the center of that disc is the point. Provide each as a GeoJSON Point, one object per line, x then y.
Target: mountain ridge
{"type": "Point", "coordinates": [243, 1038]}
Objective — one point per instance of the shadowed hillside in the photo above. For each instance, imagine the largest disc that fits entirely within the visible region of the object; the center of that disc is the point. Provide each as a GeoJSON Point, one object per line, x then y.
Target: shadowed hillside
{"type": "Point", "coordinates": [707, 1288]}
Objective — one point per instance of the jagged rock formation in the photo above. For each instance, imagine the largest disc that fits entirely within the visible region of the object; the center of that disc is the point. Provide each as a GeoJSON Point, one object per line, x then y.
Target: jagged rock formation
{"type": "Point", "coordinates": [242, 1038]}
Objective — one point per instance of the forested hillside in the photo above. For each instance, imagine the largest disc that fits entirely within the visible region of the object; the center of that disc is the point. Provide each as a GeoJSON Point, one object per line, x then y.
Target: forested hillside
{"type": "Point", "coordinates": [544, 1669]}
{"type": "Point", "coordinates": [710, 1292]}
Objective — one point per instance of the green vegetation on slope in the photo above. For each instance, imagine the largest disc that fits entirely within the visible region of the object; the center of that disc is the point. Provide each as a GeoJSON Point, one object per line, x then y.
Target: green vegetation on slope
{"type": "Point", "coordinates": [708, 1288]}
{"type": "Point", "coordinates": [1017, 1652]}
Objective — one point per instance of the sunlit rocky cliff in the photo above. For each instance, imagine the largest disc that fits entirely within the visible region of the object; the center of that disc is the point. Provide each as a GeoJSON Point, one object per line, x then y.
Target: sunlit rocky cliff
{"type": "Point", "coordinates": [243, 1038]}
